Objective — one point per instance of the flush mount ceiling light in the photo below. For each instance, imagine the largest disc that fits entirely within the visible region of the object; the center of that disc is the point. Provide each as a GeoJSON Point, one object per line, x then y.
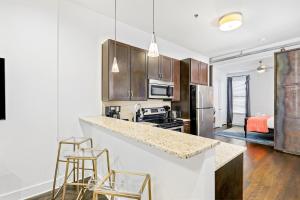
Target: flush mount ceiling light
{"type": "Point", "coordinates": [153, 48]}
{"type": "Point", "coordinates": [261, 68]}
{"type": "Point", "coordinates": [231, 21]}
{"type": "Point", "coordinates": [115, 67]}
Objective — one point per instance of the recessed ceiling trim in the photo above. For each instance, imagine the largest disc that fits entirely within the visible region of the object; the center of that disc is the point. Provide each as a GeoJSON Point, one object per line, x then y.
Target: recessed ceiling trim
{"type": "Point", "coordinates": [248, 52]}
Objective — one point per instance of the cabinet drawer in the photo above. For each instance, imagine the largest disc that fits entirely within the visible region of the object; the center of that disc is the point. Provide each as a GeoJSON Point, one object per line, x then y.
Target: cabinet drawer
{"type": "Point", "coordinates": [187, 127]}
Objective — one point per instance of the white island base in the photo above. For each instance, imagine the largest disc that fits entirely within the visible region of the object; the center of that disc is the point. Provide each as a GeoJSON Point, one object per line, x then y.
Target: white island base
{"type": "Point", "coordinates": [173, 178]}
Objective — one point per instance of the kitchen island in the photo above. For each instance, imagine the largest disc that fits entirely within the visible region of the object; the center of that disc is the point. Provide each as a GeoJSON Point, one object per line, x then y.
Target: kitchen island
{"type": "Point", "coordinates": [182, 166]}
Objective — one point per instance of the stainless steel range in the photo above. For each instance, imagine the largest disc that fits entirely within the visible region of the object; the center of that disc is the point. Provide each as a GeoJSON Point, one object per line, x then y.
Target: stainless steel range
{"type": "Point", "coordinates": [159, 117]}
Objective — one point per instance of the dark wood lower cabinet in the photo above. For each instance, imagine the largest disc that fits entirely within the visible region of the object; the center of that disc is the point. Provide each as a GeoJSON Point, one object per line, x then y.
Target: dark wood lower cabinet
{"type": "Point", "coordinates": [187, 127]}
{"type": "Point", "coordinates": [229, 180]}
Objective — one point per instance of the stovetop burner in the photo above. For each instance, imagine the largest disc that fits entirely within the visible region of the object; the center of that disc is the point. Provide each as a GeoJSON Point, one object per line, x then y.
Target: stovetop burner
{"type": "Point", "coordinates": [159, 117]}
{"type": "Point", "coordinates": [166, 122]}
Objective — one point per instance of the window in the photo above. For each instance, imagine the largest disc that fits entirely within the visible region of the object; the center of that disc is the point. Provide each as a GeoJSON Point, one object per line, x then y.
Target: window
{"type": "Point", "coordinates": [239, 99]}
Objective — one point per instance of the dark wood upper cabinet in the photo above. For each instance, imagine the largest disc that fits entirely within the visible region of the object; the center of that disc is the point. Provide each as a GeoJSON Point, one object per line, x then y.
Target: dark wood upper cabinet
{"type": "Point", "coordinates": [160, 68]}
{"type": "Point", "coordinates": [138, 74]}
{"type": "Point", "coordinates": [203, 74]}
{"type": "Point", "coordinates": [131, 81]}
{"type": "Point", "coordinates": [166, 68]}
{"type": "Point", "coordinates": [119, 83]}
{"type": "Point", "coordinates": [199, 72]}
{"type": "Point", "coordinates": [191, 72]}
{"type": "Point", "coordinates": [176, 79]}
{"type": "Point", "coordinates": [153, 68]}
{"type": "Point", "coordinates": [194, 65]}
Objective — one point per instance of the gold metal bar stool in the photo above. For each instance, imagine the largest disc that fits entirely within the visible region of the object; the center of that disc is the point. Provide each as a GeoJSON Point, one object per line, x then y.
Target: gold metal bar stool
{"type": "Point", "coordinates": [124, 184]}
{"type": "Point", "coordinates": [82, 155]}
{"type": "Point", "coordinates": [77, 143]}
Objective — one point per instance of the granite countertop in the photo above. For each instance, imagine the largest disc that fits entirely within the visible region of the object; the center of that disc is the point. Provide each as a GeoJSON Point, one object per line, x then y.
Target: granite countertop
{"type": "Point", "coordinates": [226, 152]}
{"type": "Point", "coordinates": [148, 123]}
{"type": "Point", "coordinates": [183, 146]}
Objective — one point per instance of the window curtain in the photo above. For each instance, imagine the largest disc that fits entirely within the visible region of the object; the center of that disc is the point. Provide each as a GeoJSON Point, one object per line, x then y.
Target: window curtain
{"type": "Point", "coordinates": [229, 102]}
{"type": "Point", "coordinates": [248, 113]}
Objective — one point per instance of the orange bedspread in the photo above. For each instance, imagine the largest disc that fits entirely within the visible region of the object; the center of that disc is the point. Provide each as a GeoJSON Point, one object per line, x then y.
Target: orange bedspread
{"type": "Point", "coordinates": [258, 124]}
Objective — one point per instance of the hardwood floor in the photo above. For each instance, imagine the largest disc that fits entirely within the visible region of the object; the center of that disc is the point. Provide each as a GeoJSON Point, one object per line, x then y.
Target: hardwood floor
{"type": "Point", "coordinates": [71, 194]}
{"type": "Point", "coordinates": [268, 174]}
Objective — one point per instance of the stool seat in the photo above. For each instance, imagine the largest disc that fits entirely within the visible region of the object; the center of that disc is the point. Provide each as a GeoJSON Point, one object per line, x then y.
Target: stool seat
{"type": "Point", "coordinates": [84, 154]}
{"type": "Point", "coordinates": [75, 140]}
{"type": "Point", "coordinates": [123, 184]}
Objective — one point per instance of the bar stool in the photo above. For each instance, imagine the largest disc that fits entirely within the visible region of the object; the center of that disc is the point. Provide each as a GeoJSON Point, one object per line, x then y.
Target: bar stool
{"type": "Point", "coordinates": [77, 142]}
{"type": "Point", "coordinates": [124, 184]}
{"type": "Point", "coordinates": [82, 155]}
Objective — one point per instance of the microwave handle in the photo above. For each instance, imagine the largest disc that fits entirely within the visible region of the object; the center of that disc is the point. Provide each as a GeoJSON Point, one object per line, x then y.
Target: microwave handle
{"type": "Point", "coordinates": [169, 91]}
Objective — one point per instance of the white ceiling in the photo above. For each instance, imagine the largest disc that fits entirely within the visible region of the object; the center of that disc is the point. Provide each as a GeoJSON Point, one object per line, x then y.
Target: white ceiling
{"type": "Point", "coordinates": [244, 65]}
{"type": "Point", "coordinates": [274, 20]}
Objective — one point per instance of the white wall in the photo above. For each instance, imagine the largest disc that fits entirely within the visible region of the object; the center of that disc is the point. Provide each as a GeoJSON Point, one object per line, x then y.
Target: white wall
{"type": "Point", "coordinates": [28, 42]}
{"type": "Point", "coordinates": [262, 92]}
{"type": "Point", "coordinates": [28, 136]}
{"type": "Point", "coordinates": [220, 96]}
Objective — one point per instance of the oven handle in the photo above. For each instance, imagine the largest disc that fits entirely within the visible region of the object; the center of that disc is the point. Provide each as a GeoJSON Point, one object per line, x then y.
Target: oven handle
{"type": "Point", "coordinates": [177, 127]}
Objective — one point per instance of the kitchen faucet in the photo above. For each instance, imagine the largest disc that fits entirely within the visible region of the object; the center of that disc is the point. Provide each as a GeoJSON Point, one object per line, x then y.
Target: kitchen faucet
{"type": "Point", "coordinates": [138, 107]}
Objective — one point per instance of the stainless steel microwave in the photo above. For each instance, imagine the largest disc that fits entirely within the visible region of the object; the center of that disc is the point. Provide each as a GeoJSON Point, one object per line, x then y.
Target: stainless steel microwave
{"type": "Point", "coordinates": [160, 89]}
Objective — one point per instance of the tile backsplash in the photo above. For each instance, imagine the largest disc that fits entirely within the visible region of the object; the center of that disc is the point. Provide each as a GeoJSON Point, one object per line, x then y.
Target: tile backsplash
{"type": "Point", "coordinates": [127, 107]}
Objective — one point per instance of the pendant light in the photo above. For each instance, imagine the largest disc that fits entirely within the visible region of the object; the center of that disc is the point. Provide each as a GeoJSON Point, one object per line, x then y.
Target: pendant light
{"type": "Point", "coordinates": [261, 68]}
{"type": "Point", "coordinates": [153, 48]}
{"type": "Point", "coordinates": [115, 67]}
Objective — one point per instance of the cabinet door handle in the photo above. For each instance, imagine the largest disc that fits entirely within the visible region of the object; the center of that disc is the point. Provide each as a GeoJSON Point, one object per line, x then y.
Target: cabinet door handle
{"type": "Point", "coordinates": [128, 93]}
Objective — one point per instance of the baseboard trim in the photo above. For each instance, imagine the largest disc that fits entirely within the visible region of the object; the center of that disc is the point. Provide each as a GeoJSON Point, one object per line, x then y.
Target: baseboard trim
{"type": "Point", "coordinates": [30, 191]}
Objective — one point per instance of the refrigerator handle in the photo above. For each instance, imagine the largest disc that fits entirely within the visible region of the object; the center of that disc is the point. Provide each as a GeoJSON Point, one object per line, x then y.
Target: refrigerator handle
{"type": "Point", "coordinates": [202, 106]}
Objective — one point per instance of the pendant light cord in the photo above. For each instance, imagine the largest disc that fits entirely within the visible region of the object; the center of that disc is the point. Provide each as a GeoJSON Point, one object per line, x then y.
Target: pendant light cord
{"type": "Point", "coordinates": [153, 17]}
{"type": "Point", "coordinates": [57, 68]}
{"type": "Point", "coordinates": [115, 28]}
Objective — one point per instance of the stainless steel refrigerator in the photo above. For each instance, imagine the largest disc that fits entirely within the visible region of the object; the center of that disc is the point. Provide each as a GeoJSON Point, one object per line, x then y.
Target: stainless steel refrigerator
{"type": "Point", "coordinates": [201, 110]}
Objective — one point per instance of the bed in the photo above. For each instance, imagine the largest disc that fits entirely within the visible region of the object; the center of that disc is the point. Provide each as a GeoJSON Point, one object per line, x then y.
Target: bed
{"type": "Point", "coordinates": [259, 124]}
